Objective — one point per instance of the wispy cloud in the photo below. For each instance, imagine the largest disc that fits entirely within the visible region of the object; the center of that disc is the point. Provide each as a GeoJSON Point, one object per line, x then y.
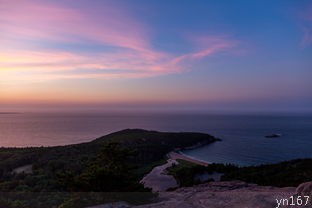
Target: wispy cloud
{"type": "Point", "coordinates": [47, 21]}
{"type": "Point", "coordinates": [206, 46]}
{"type": "Point", "coordinates": [29, 28]}
{"type": "Point", "coordinates": [306, 24]}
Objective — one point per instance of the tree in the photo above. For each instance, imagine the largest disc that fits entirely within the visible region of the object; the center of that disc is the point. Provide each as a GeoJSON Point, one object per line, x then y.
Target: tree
{"type": "Point", "coordinates": [109, 172]}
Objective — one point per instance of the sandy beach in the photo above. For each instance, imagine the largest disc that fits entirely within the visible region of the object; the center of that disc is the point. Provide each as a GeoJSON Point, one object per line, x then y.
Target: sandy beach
{"type": "Point", "coordinates": [177, 155]}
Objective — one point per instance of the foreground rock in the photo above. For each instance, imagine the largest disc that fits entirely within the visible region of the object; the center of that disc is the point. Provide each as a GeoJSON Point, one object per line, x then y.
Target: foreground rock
{"type": "Point", "coordinates": [305, 189]}
{"type": "Point", "coordinates": [232, 194]}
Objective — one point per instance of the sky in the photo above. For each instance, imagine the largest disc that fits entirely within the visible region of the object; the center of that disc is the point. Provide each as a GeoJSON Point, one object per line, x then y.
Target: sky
{"type": "Point", "coordinates": [205, 55]}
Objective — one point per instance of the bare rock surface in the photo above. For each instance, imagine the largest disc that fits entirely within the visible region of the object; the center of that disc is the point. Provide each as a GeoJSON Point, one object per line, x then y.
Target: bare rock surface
{"type": "Point", "coordinates": [305, 189]}
{"type": "Point", "coordinates": [27, 169]}
{"type": "Point", "coordinates": [227, 194]}
{"type": "Point", "coordinates": [233, 194]}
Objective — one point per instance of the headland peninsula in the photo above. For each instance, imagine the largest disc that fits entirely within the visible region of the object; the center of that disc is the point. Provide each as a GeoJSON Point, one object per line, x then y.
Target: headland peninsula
{"type": "Point", "coordinates": [111, 169]}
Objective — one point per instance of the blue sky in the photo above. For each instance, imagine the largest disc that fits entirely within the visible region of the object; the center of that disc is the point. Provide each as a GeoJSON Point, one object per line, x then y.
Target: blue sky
{"type": "Point", "coordinates": [202, 55]}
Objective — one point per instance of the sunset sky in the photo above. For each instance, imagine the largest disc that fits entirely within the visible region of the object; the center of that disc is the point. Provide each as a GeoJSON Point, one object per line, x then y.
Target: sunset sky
{"type": "Point", "coordinates": [207, 55]}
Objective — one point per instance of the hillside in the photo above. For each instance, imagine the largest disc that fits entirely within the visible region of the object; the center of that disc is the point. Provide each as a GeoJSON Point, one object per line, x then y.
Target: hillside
{"type": "Point", "coordinates": [112, 163]}
{"type": "Point", "coordinates": [149, 146]}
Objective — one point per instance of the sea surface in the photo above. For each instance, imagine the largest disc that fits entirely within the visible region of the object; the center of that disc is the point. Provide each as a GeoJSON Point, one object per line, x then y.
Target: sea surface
{"type": "Point", "coordinates": [243, 136]}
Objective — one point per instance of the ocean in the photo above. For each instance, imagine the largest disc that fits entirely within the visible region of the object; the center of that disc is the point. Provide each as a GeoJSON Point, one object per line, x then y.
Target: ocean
{"type": "Point", "coordinates": [243, 136]}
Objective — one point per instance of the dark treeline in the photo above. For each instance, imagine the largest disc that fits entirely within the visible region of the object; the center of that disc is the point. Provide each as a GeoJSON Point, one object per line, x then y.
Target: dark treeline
{"type": "Point", "coordinates": [113, 163]}
{"type": "Point", "coordinates": [285, 174]}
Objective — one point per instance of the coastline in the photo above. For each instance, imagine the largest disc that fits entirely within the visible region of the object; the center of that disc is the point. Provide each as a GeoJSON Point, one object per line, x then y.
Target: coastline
{"type": "Point", "coordinates": [10, 113]}
{"type": "Point", "coordinates": [174, 155]}
{"type": "Point", "coordinates": [178, 154]}
{"type": "Point", "coordinates": [158, 179]}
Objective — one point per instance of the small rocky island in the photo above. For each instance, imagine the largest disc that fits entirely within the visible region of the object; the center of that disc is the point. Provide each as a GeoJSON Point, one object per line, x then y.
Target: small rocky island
{"type": "Point", "coordinates": [273, 136]}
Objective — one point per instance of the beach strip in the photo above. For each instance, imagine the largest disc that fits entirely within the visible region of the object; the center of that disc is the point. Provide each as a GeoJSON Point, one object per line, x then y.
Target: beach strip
{"type": "Point", "coordinates": [177, 155]}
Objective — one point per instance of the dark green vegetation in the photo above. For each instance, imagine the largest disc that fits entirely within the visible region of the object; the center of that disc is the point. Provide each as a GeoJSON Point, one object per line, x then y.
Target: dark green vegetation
{"type": "Point", "coordinates": [185, 171]}
{"type": "Point", "coordinates": [113, 163]}
{"type": "Point", "coordinates": [290, 173]}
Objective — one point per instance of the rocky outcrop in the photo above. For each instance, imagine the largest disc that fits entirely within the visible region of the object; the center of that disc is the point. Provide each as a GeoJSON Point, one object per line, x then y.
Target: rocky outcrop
{"type": "Point", "coordinates": [305, 189]}
{"type": "Point", "coordinates": [233, 194]}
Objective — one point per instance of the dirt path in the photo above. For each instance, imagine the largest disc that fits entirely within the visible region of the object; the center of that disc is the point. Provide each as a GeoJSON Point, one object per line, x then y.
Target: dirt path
{"type": "Point", "coordinates": [158, 180]}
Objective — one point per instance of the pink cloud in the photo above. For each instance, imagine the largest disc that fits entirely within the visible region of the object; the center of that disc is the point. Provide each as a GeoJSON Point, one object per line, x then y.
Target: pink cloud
{"type": "Point", "coordinates": [43, 20]}
{"type": "Point", "coordinates": [24, 22]}
{"type": "Point", "coordinates": [206, 46]}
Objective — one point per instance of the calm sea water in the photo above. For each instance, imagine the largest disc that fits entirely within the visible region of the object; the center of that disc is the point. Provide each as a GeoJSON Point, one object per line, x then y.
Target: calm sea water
{"type": "Point", "coordinates": [243, 140]}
